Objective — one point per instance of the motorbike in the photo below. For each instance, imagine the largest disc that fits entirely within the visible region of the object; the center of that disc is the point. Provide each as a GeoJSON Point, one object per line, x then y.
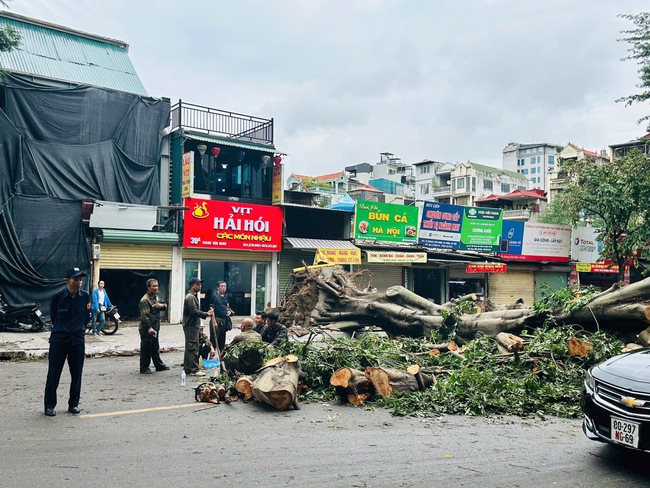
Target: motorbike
{"type": "Point", "coordinates": [24, 317]}
{"type": "Point", "coordinates": [112, 322]}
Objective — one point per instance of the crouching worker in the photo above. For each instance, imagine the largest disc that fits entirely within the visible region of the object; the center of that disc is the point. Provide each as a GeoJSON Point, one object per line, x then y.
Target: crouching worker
{"type": "Point", "coordinates": [244, 354]}
{"type": "Point", "coordinates": [206, 349]}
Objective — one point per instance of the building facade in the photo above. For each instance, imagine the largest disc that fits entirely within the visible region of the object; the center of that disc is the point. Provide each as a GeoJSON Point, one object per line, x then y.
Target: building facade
{"type": "Point", "coordinates": [533, 161]}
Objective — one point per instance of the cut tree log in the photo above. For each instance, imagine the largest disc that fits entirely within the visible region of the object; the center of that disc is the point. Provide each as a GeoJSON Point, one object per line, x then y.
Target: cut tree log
{"type": "Point", "coordinates": [277, 383]}
{"type": "Point", "coordinates": [644, 337]}
{"type": "Point", "coordinates": [509, 343]}
{"type": "Point", "coordinates": [243, 386]}
{"type": "Point", "coordinates": [389, 382]}
{"type": "Point", "coordinates": [424, 380]}
{"type": "Point", "coordinates": [352, 385]}
{"type": "Point", "coordinates": [578, 348]}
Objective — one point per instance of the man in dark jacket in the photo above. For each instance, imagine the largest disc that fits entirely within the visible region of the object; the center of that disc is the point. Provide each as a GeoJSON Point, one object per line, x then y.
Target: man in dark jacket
{"type": "Point", "coordinates": [70, 313]}
{"type": "Point", "coordinates": [192, 316]}
{"type": "Point", "coordinates": [273, 332]}
{"type": "Point", "coordinates": [222, 313]}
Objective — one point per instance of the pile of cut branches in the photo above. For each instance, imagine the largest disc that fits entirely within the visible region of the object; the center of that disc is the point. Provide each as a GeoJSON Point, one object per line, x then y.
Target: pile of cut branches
{"type": "Point", "coordinates": [478, 379]}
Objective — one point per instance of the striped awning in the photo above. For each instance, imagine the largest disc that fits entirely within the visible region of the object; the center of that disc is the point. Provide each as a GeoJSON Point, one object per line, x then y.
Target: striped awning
{"type": "Point", "coordinates": [306, 243]}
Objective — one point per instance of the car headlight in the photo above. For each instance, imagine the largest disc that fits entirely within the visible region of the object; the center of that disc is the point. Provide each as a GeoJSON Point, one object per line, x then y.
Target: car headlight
{"type": "Point", "coordinates": [590, 381]}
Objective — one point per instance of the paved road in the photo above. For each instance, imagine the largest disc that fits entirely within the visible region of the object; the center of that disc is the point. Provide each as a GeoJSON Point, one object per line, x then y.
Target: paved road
{"type": "Point", "coordinates": [146, 430]}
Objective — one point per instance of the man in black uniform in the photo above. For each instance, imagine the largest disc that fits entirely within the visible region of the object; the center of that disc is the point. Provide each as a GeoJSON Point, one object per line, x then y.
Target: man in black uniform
{"type": "Point", "coordinates": [70, 312]}
{"type": "Point", "coordinates": [150, 307]}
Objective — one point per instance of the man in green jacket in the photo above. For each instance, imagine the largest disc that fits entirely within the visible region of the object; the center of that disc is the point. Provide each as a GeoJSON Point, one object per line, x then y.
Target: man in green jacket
{"type": "Point", "coordinates": [150, 308]}
{"type": "Point", "coordinates": [192, 316]}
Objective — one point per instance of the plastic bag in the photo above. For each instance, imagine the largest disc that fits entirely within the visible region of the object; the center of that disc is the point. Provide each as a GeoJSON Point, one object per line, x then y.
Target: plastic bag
{"type": "Point", "coordinates": [211, 363]}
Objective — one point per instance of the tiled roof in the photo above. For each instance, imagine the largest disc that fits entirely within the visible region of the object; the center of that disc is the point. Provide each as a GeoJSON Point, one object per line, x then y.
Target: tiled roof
{"type": "Point", "coordinates": [328, 177]}
{"type": "Point", "coordinates": [60, 53]}
{"type": "Point", "coordinates": [515, 195]}
{"type": "Point", "coordinates": [490, 169]}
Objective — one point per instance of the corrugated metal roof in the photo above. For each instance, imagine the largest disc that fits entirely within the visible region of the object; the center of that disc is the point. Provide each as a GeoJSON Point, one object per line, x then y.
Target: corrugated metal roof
{"type": "Point", "coordinates": [233, 143]}
{"type": "Point", "coordinates": [139, 236]}
{"type": "Point", "coordinates": [305, 243]}
{"type": "Point", "coordinates": [60, 53]}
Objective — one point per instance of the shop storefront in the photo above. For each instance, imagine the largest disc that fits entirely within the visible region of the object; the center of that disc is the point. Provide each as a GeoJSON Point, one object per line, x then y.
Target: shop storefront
{"type": "Point", "coordinates": [236, 243]}
{"type": "Point", "coordinates": [125, 260]}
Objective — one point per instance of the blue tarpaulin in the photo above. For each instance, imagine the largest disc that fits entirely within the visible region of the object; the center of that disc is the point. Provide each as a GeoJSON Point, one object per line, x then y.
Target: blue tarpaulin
{"type": "Point", "coordinates": [346, 203]}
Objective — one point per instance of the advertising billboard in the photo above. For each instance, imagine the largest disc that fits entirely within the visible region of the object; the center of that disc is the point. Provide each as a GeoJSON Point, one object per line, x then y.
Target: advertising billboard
{"type": "Point", "coordinates": [585, 246]}
{"type": "Point", "coordinates": [385, 222]}
{"type": "Point", "coordinates": [216, 224]}
{"type": "Point", "coordinates": [523, 241]}
{"type": "Point", "coordinates": [445, 226]}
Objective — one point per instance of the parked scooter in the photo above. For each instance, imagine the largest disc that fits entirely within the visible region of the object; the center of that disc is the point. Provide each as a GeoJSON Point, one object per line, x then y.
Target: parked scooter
{"type": "Point", "coordinates": [25, 317]}
{"type": "Point", "coordinates": [112, 322]}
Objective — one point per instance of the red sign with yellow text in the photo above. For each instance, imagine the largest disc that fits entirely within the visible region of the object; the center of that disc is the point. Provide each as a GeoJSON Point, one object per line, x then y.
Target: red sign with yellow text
{"type": "Point", "coordinates": [486, 268]}
{"type": "Point", "coordinates": [216, 224]}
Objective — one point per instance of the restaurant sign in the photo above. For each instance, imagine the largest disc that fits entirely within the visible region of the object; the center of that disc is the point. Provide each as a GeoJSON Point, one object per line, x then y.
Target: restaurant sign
{"type": "Point", "coordinates": [187, 174]}
{"type": "Point", "coordinates": [216, 224]}
{"type": "Point", "coordinates": [385, 222]}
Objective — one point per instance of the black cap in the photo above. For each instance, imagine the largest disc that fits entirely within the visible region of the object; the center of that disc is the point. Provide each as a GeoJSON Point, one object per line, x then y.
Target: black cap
{"type": "Point", "coordinates": [74, 272]}
{"type": "Point", "coordinates": [195, 281]}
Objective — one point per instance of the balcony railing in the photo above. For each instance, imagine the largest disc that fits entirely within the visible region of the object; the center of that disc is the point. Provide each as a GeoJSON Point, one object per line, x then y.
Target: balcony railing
{"type": "Point", "coordinates": [519, 214]}
{"type": "Point", "coordinates": [222, 123]}
{"type": "Point", "coordinates": [443, 191]}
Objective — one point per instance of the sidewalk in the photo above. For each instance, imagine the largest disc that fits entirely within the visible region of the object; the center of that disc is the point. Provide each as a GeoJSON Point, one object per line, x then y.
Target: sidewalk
{"type": "Point", "coordinates": [125, 342]}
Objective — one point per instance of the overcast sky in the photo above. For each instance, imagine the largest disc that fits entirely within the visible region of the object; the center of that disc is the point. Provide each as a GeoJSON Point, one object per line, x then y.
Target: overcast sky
{"type": "Point", "coordinates": [346, 80]}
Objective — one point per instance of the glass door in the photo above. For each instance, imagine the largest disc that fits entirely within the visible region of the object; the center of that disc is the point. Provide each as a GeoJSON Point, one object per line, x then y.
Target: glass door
{"type": "Point", "coordinates": [260, 288]}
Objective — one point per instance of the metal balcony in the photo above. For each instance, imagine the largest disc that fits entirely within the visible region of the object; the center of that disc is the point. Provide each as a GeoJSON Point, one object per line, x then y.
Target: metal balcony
{"type": "Point", "coordinates": [222, 123]}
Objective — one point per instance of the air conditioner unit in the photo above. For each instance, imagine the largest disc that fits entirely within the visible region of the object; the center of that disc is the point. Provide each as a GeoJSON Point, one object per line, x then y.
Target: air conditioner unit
{"type": "Point", "coordinates": [96, 251]}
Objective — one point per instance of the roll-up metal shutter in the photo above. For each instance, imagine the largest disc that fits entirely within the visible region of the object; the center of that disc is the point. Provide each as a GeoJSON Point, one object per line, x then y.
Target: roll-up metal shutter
{"type": "Point", "coordinates": [221, 255]}
{"type": "Point", "coordinates": [115, 255]}
{"type": "Point", "coordinates": [383, 276]}
{"type": "Point", "coordinates": [506, 288]}
{"type": "Point", "coordinates": [553, 279]}
{"type": "Point", "coordinates": [290, 259]}
{"type": "Point", "coordinates": [460, 273]}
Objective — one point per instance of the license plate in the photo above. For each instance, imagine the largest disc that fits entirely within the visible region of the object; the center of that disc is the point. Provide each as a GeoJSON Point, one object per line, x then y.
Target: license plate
{"type": "Point", "coordinates": [625, 432]}
{"type": "Point", "coordinates": [38, 312]}
{"type": "Point", "coordinates": [116, 315]}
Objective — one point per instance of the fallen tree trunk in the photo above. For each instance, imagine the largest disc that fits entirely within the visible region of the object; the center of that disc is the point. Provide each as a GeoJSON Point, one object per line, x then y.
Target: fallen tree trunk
{"type": "Point", "coordinates": [329, 297]}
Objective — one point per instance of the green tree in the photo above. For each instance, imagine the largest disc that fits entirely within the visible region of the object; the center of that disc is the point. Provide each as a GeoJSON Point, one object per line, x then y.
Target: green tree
{"type": "Point", "coordinates": [555, 213]}
{"type": "Point", "coordinates": [614, 196]}
{"type": "Point", "coordinates": [639, 51]}
{"type": "Point", "coordinates": [9, 39]}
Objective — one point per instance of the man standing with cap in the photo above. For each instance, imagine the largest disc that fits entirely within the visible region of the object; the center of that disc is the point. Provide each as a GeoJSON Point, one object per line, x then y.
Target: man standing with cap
{"type": "Point", "coordinates": [150, 307]}
{"type": "Point", "coordinates": [70, 313]}
{"type": "Point", "coordinates": [192, 316]}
